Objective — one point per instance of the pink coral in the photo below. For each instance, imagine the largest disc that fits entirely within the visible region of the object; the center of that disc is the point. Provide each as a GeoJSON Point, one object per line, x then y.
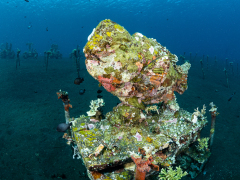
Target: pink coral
{"type": "Point", "coordinates": [91, 126]}
{"type": "Point", "coordinates": [106, 83]}
{"type": "Point", "coordinates": [108, 87]}
{"type": "Point", "coordinates": [120, 137]}
{"type": "Point", "coordinates": [172, 120]}
{"type": "Point", "coordinates": [104, 80]}
{"type": "Point", "coordinates": [138, 137]}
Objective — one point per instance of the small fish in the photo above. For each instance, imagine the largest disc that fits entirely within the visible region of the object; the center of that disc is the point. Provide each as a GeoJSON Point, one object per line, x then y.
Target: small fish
{"type": "Point", "coordinates": [63, 127]}
{"type": "Point", "coordinates": [78, 80]}
{"type": "Point", "coordinates": [99, 91]}
{"type": "Point", "coordinates": [231, 96]}
{"type": "Point", "coordinates": [99, 96]}
{"type": "Point", "coordinates": [29, 26]}
{"type": "Point", "coordinates": [27, 0]}
{"type": "Point", "coordinates": [46, 28]}
{"type": "Point", "coordinates": [82, 91]}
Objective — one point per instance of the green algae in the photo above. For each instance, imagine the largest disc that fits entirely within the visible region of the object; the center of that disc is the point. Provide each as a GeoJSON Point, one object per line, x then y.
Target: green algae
{"type": "Point", "coordinates": [134, 102]}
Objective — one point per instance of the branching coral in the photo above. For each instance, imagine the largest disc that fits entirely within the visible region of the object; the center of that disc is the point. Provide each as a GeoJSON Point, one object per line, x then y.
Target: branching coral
{"type": "Point", "coordinates": [171, 174]}
{"type": "Point", "coordinates": [94, 106]}
{"type": "Point", "coordinates": [203, 144]}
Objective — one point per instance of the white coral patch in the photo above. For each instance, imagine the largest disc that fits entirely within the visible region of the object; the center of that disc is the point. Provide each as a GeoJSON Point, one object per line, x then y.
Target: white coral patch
{"type": "Point", "coordinates": [151, 49]}
{"type": "Point", "coordinates": [104, 127]}
{"type": "Point", "coordinates": [142, 116]}
{"type": "Point", "coordinates": [185, 67]}
{"type": "Point", "coordinates": [89, 37]}
{"type": "Point", "coordinates": [148, 150]}
{"type": "Point", "coordinates": [139, 34]}
{"type": "Point", "coordinates": [92, 112]}
{"type": "Point", "coordinates": [194, 119]}
{"type": "Point", "coordinates": [126, 76]}
{"type": "Point", "coordinates": [137, 38]}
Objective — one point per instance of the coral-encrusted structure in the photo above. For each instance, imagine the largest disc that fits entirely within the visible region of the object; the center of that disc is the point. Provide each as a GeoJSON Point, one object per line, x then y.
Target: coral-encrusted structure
{"type": "Point", "coordinates": [6, 51]}
{"type": "Point", "coordinates": [133, 66]}
{"type": "Point", "coordinates": [143, 75]}
{"type": "Point", "coordinates": [31, 53]}
{"type": "Point", "coordinates": [54, 52]}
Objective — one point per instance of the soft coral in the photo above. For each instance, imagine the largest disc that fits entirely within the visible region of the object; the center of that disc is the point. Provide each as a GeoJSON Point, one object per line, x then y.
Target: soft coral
{"type": "Point", "coordinates": [143, 165]}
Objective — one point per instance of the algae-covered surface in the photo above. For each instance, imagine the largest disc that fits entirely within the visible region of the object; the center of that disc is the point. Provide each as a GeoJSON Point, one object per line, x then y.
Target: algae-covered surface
{"type": "Point", "coordinates": [164, 138]}
{"type": "Point", "coordinates": [134, 68]}
{"type": "Point", "coordinates": [148, 123]}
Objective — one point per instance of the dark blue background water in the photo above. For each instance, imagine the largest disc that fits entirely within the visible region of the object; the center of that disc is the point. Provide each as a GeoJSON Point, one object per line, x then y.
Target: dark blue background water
{"type": "Point", "coordinates": [209, 27]}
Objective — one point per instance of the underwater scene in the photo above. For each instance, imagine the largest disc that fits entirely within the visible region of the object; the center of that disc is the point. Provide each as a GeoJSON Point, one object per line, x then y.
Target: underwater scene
{"type": "Point", "coordinates": [119, 90]}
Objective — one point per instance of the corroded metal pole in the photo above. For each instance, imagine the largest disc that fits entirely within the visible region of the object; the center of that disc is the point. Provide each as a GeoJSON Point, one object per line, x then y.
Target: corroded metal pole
{"type": "Point", "coordinates": [214, 114]}
{"type": "Point", "coordinates": [64, 96]}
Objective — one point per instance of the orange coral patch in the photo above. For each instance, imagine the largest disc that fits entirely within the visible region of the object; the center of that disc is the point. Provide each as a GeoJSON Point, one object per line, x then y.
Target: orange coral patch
{"type": "Point", "coordinates": [168, 97]}
{"type": "Point", "coordinates": [116, 81]}
{"type": "Point", "coordinates": [161, 155]}
{"type": "Point", "coordinates": [96, 175]}
{"type": "Point", "coordinates": [66, 107]}
{"type": "Point", "coordinates": [148, 139]}
{"type": "Point", "coordinates": [182, 80]}
{"type": "Point", "coordinates": [154, 80]}
{"type": "Point", "coordinates": [139, 65]}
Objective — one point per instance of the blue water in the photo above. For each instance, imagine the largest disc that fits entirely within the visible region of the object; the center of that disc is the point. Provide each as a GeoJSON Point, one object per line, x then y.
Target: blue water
{"type": "Point", "coordinates": [209, 27]}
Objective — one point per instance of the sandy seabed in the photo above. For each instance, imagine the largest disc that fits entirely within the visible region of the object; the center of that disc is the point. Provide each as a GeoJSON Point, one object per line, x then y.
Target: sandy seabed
{"type": "Point", "coordinates": [32, 149]}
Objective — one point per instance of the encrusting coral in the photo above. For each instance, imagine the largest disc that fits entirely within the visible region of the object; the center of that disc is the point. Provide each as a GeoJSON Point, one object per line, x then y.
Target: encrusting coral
{"type": "Point", "coordinates": [143, 165]}
{"type": "Point", "coordinates": [133, 66]}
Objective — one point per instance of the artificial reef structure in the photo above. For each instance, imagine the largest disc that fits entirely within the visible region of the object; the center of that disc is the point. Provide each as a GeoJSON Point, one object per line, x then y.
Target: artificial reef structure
{"type": "Point", "coordinates": [31, 53]}
{"type": "Point", "coordinates": [75, 55]}
{"type": "Point", "coordinates": [147, 133]}
{"type": "Point", "coordinates": [6, 51]}
{"type": "Point", "coordinates": [54, 52]}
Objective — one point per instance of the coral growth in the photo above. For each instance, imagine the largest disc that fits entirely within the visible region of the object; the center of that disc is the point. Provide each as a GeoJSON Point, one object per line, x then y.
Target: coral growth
{"type": "Point", "coordinates": [171, 174]}
{"type": "Point", "coordinates": [133, 66]}
{"type": "Point", "coordinates": [144, 76]}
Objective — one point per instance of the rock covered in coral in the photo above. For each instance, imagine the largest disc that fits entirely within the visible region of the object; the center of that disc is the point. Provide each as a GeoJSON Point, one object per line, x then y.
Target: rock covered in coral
{"type": "Point", "coordinates": [142, 73]}
{"type": "Point", "coordinates": [134, 68]}
{"type": "Point", "coordinates": [165, 139]}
